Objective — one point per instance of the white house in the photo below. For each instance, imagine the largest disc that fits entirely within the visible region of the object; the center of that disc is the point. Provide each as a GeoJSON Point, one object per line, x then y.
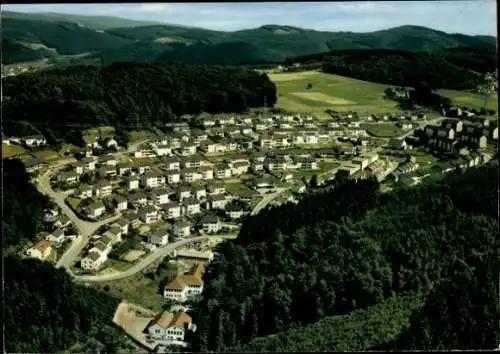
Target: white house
{"type": "Point", "coordinates": [84, 191]}
{"type": "Point", "coordinates": [190, 206]}
{"type": "Point", "coordinates": [222, 171]}
{"type": "Point", "coordinates": [191, 175]}
{"type": "Point", "coordinates": [207, 172]}
{"type": "Point", "coordinates": [172, 210]}
{"type": "Point", "coordinates": [96, 209]}
{"type": "Point", "coordinates": [158, 238]}
{"type": "Point", "coordinates": [182, 229]}
{"type": "Point", "coordinates": [41, 250]}
{"type": "Point", "coordinates": [132, 183]}
{"type": "Point", "coordinates": [149, 214]}
{"type": "Point", "coordinates": [173, 177]}
{"type": "Point", "coordinates": [34, 140]}
{"type": "Point", "coordinates": [159, 196]}
{"type": "Point", "coordinates": [120, 203]}
{"type": "Point", "coordinates": [173, 164]}
{"type": "Point", "coordinates": [68, 177]}
{"type": "Point", "coordinates": [93, 261]}
{"type": "Point", "coordinates": [210, 224]}
{"type": "Point", "coordinates": [234, 211]}
{"type": "Point", "coordinates": [162, 150]}
{"type": "Point", "coordinates": [170, 328]}
{"type": "Point", "coordinates": [217, 201]}
{"type": "Point", "coordinates": [185, 286]}
{"type": "Point", "coordinates": [152, 179]}
{"type": "Point", "coordinates": [55, 237]}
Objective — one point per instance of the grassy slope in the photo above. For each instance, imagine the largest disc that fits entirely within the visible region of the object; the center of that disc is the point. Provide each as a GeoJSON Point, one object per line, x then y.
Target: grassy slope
{"type": "Point", "coordinates": [363, 96]}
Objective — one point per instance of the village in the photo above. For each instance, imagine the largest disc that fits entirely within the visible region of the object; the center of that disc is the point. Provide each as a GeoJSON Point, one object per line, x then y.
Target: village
{"type": "Point", "coordinates": [119, 210]}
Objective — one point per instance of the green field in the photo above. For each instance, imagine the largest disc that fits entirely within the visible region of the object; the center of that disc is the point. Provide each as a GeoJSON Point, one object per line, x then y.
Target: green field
{"type": "Point", "coordinates": [329, 92]}
{"type": "Point", "coordinates": [470, 99]}
{"type": "Point", "coordinates": [12, 150]}
{"type": "Point", "coordinates": [383, 129]}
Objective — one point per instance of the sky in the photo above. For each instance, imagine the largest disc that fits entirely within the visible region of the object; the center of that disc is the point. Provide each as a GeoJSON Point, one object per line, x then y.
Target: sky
{"type": "Point", "coordinates": [474, 17]}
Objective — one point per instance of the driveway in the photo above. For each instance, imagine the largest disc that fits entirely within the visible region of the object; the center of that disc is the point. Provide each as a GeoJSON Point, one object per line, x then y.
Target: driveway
{"type": "Point", "coordinates": [149, 259]}
{"type": "Point", "coordinates": [268, 198]}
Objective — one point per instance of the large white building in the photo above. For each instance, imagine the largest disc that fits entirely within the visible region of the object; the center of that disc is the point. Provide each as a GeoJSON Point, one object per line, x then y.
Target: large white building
{"type": "Point", "coordinates": [185, 286]}
{"type": "Point", "coordinates": [170, 328]}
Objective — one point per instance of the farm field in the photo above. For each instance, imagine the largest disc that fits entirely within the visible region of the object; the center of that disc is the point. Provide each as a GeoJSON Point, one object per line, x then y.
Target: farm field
{"type": "Point", "coordinates": [12, 150]}
{"type": "Point", "coordinates": [470, 99]}
{"type": "Point", "coordinates": [329, 92]}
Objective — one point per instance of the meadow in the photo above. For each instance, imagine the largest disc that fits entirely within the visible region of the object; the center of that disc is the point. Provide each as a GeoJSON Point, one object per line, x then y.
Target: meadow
{"type": "Point", "coordinates": [328, 91]}
{"type": "Point", "coordinates": [314, 92]}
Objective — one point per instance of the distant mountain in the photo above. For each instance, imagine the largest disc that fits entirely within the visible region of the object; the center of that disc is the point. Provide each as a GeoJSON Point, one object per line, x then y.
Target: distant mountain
{"type": "Point", "coordinates": [93, 22]}
{"type": "Point", "coordinates": [115, 39]}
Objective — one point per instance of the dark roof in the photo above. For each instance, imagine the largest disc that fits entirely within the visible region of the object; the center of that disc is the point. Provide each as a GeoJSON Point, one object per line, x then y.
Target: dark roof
{"type": "Point", "coordinates": [209, 219]}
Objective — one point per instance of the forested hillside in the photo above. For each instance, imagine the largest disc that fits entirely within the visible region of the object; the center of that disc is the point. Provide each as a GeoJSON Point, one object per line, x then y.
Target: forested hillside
{"type": "Point", "coordinates": [127, 95]}
{"type": "Point", "coordinates": [22, 220]}
{"type": "Point", "coordinates": [350, 249]}
{"type": "Point", "coordinates": [456, 68]}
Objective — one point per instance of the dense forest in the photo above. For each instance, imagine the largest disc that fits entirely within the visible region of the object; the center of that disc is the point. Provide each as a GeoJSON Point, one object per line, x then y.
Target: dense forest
{"type": "Point", "coordinates": [127, 95]}
{"type": "Point", "coordinates": [45, 311]}
{"type": "Point", "coordinates": [455, 68]}
{"type": "Point", "coordinates": [22, 220]}
{"type": "Point", "coordinates": [352, 248]}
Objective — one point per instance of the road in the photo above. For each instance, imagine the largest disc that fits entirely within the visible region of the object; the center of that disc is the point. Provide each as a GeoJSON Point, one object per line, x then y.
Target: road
{"type": "Point", "coordinates": [85, 228]}
{"type": "Point", "coordinates": [149, 259]}
{"type": "Point", "coordinates": [268, 198]}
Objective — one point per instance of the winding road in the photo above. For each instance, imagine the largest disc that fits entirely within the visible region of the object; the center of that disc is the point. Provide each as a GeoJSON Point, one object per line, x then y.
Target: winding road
{"type": "Point", "coordinates": [149, 259]}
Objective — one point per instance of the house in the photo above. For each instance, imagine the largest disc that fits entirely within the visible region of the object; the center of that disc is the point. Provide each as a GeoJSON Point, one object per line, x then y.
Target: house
{"type": "Point", "coordinates": [95, 209]}
{"type": "Point", "coordinates": [305, 163]}
{"type": "Point", "coordinates": [107, 171]}
{"type": "Point", "coordinates": [448, 133]}
{"type": "Point", "coordinates": [397, 144]}
{"type": "Point", "coordinates": [198, 192]}
{"type": "Point", "coordinates": [110, 142]}
{"type": "Point", "coordinates": [183, 192]}
{"type": "Point", "coordinates": [138, 199]}
{"type": "Point", "coordinates": [445, 144]}
{"type": "Point", "coordinates": [188, 150]}
{"type": "Point", "coordinates": [206, 172]}
{"type": "Point", "coordinates": [216, 201]}
{"type": "Point", "coordinates": [122, 224]}
{"type": "Point", "coordinates": [181, 229]}
{"type": "Point", "coordinates": [68, 177]}
{"type": "Point", "coordinates": [171, 210]}
{"type": "Point", "coordinates": [132, 218]}
{"type": "Point", "coordinates": [239, 167]}
{"type": "Point", "coordinates": [173, 177]}
{"type": "Point", "coordinates": [62, 221]}
{"type": "Point", "coordinates": [208, 146]}
{"type": "Point", "coordinates": [159, 196]}
{"type": "Point", "coordinates": [34, 141]}
{"type": "Point", "coordinates": [148, 214]}
{"type": "Point", "coordinates": [89, 163]}
{"type": "Point", "coordinates": [158, 238]}
{"type": "Point", "coordinates": [78, 167]}
{"type": "Point", "coordinates": [162, 150]}
{"type": "Point", "coordinates": [55, 237]}
{"type": "Point", "coordinates": [193, 162]}
{"type": "Point", "coordinates": [172, 164]}
{"type": "Point", "coordinates": [152, 179]}
{"type": "Point", "coordinates": [107, 160]}
{"type": "Point", "coordinates": [112, 236]}
{"type": "Point", "coordinates": [216, 188]}
{"type": "Point", "coordinates": [123, 168]}
{"type": "Point", "coordinates": [191, 175]}
{"type": "Point", "coordinates": [210, 223]}
{"type": "Point", "coordinates": [41, 250]}
{"type": "Point", "coordinates": [199, 136]}
{"type": "Point", "coordinates": [93, 261]}
{"type": "Point", "coordinates": [169, 327]}
{"type": "Point", "coordinates": [190, 206]}
{"type": "Point", "coordinates": [185, 286]}
{"type": "Point", "coordinates": [222, 171]}
{"type": "Point", "coordinates": [277, 164]}
{"type": "Point", "coordinates": [84, 191]}
{"type": "Point", "coordinates": [103, 189]}
{"type": "Point", "coordinates": [235, 211]}
{"type": "Point", "coordinates": [267, 142]}
{"type": "Point", "coordinates": [120, 203]}
{"type": "Point", "coordinates": [132, 183]}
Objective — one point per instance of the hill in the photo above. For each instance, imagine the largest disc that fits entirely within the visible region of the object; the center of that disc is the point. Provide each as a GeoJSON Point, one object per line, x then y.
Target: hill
{"type": "Point", "coordinates": [93, 22]}
{"type": "Point", "coordinates": [351, 248]}
{"type": "Point", "coordinates": [126, 95]}
{"type": "Point", "coordinates": [270, 43]}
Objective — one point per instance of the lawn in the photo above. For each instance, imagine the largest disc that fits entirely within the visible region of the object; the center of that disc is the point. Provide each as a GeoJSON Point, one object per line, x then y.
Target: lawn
{"type": "Point", "coordinates": [237, 188]}
{"type": "Point", "coordinates": [329, 92]}
{"type": "Point", "coordinates": [12, 150]}
{"type": "Point", "coordinates": [469, 99]}
{"type": "Point", "coordinates": [383, 129]}
{"type": "Point", "coordinates": [73, 202]}
{"type": "Point", "coordinates": [89, 135]}
{"type": "Point", "coordinates": [140, 289]}
{"type": "Point", "coordinates": [136, 135]}
{"type": "Point", "coordinates": [46, 155]}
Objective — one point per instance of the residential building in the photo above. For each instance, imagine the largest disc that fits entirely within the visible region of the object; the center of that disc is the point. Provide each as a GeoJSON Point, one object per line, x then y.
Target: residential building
{"type": "Point", "coordinates": [208, 146]}
{"type": "Point", "coordinates": [193, 162]}
{"type": "Point", "coordinates": [162, 150]}
{"type": "Point", "coordinates": [181, 229]}
{"type": "Point", "coordinates": [239, 168]}
{"type": "Point", "coordinates": [103, 189]}
{"type": "Point", "coordinates": [41, 250]}
{"type": "Point", "coordinates": [68, 177]}
{"type": "Point", "coordinates": [185, 286]}
{"type": "Point", "coordinates": [89, 163]}
{"type": "Point", "coordinates": [198, 192]}
{"type": "Point", "coordinates": [191, 175]}
{"type": "Point", "coordinates": [120, 203]}
{"type": "Point", "coordinates": [222, 171]}
{"type": "Point", "coordinates": [173, 177]}
{"type": "Point", "coordinates": [95, 209]}
{"type": "Point", "coordinates": [123, 168]}
{"type": "Point", "coordinates": [148, 214]}
{"type": "Point", "coordinates": [34, 141]}
{"type": "Point", "coordinates": [169, 327]}
{"type": "Point", "coordinates": [397, 144]}
{"type": "Point", "coordinates": [183, 192]}
{"type": "Point", "coordinates": [122, 224]}
{"type": "Point", "coordinates": [84, 191]}
{"type": "Point", "coordinates": [62, 221]}
{"type": "Point", "coordinates": [235, 211]}
{"type": "Point", "coordinates": [138, 199]}
{"type": "Point", "coordinates": [93, 261]}
{"type": "Point", "coordinates": [152, 179]}
{"type": "Point", "coordinates": [216, 201]}
{"type": "Point", "coordinates": [188, 150]}
{"type": "Point", "coordinates": [171, 210]}
{"type": "Point", "coordinates": [132, 183]}
{"type": "Point", "coordinates": [173, 164]}
{"type": "Point", "coordinates": [216, 188]}
{"type": "Point", "coordinates": [158, 238]}
{"type": "Point", "coordinates": [210, 223]}
{"type": "Point", "coordinates": [159, 196]}
{"type": "Point", "coordinates": [190, 206]}
{"type": "Point", "coordinates": [56, 237]}
{"type": "Point", "coordinates": [206, 172]}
